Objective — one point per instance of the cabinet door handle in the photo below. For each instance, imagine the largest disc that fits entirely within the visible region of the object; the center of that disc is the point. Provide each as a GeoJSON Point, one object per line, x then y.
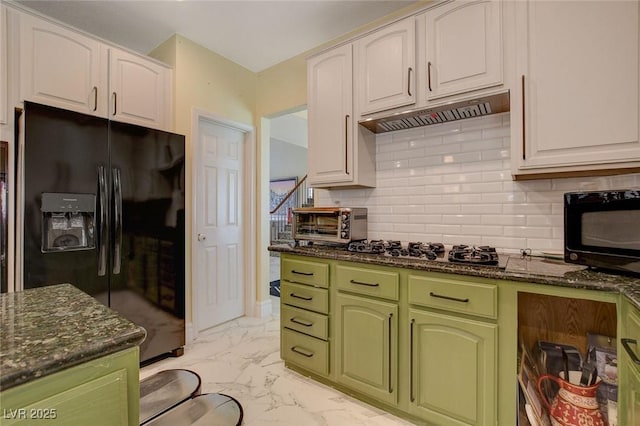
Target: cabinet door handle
{"type": "Point", "coordinates": [308, 274]}
{"type": "Point", "coordinates": [346, 144]}
{"type": "Point", "coordinates": [632, 354]}
{"type": "Point", "coordinates": [363, 283]}
{"type": "Point", "coordinates": [409, 80]}
{"type": "Point", "coordinates": [95, 98]}
{"type": "Point", "coordinates": [524, 133]}
{"type": "Point", "coordinates": [412, 396]}
{"type": "Point", "coordinates": [115, 103]}
{"type": "Point", "coordinates": [301, 322]}
{"type": "Point", "coordinates": [455, 299]}
{"type": "Point", "coordinates": [301, 297]}
{"type": "Point", "coordinates": [302, 351]}
{"type": "Point", "coordinates": [429, 75]}
{"type": "Point", "coordinates": [390, 341]}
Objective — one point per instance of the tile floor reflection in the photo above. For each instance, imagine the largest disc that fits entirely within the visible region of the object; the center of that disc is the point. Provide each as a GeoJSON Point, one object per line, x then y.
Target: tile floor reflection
{"type": "Point", "coordinates": [241, 358]}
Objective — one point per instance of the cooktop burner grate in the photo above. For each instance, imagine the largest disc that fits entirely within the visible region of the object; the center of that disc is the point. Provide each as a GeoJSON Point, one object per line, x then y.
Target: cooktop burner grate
{"type": "Point", "coordinates": [481, 255]}
{"type": "Point", "coordinates": [461, 253]}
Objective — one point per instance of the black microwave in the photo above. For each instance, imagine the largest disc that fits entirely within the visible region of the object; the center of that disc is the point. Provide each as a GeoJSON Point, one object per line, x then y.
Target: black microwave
{"type": "Point", "coordinates": [602, 229]}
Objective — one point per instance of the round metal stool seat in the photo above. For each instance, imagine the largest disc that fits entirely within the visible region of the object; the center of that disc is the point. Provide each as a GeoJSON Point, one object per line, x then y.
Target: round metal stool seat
{"type": "Point", "coordinates": [165, 390]}
{"type": "Point", "coordinates": [213, 409]}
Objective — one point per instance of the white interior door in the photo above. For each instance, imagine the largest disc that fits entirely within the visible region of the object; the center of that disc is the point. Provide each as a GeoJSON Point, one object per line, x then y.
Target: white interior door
{"type": "Point", "coordinates": [218, 272]}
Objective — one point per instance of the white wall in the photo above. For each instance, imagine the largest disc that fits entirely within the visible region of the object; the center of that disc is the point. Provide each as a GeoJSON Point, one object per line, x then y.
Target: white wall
{"type": "Point", "coordinates": [451, 183]}
{"type": "Point", "coordinates": [287, 160]}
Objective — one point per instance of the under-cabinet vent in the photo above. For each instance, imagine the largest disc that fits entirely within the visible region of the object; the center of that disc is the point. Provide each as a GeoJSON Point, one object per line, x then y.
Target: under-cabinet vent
{"type": "Point", "coordinates": [493, 104]}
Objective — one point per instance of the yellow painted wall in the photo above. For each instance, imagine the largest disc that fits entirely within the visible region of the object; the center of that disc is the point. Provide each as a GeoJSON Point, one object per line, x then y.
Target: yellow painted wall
{"type": "Point", "coordinates": [206, 81]}
{"type": "Point", "coordinates": [210, 82]}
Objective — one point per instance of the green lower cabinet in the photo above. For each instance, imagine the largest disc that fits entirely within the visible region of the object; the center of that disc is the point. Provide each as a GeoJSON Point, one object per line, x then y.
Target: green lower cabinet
{"type": "Point", "coordinates": [367, 346]}
{"type": "Point", "coordinates": [629, 410]}
{"type": "Point", "coordinates": [104, 391]}
{"type": "Point", "coordinates": [453, 369]}
{"type": "Point", "coordinates": [629, 392]}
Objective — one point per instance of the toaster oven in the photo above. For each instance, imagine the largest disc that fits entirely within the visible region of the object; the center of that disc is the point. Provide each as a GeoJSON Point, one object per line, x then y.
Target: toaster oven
{"type": "Point", "coordinates": [330, 224]}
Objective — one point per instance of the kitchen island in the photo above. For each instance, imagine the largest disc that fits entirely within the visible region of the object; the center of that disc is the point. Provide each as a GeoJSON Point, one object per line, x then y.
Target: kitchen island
{"type": "Point", "coordinates": [437, 341]}
{"type": "Point", "coordinates": [65, 356]}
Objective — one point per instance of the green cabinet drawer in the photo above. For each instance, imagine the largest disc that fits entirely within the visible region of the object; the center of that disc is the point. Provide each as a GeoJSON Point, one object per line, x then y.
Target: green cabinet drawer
{"type": "Point", "coordinates": [473, 297]}
{"type": "Point", "coordinates": [305, 297]}
{"type": "Point", "coordinates": [307, 322]}
{"type": "Point", "coordinates": [305, 272]}
{"type": "Point", "coordinates": [305, 351]}
{"type": "Point", "coordinates": [366, 281]}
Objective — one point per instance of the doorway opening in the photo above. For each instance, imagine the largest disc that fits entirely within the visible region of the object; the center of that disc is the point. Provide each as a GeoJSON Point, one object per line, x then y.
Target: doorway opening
{"type": "Point", "coordinates": [287, 171]}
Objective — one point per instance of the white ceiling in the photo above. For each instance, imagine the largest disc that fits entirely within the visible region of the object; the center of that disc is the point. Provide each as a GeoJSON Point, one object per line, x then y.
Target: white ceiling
{"type": "Point", "coordinates": [254, 34]}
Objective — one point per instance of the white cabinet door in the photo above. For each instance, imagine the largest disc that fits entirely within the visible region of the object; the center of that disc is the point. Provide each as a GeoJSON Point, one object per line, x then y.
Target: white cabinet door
{"type": "Point", "coordinates": [576, 104]}
{"type": "Point", "coordinates": [60, 67]}
{"type": "Point", "coordinates": [385, 67]}
{"type": "Point", "coordinates": [3, 65]}
{"type": "Point", "coordinates": [330, 111]}
{"type": "Point", "coordinates": [139, 90]}
{"type": "Point", "coordinates": [463, 47]}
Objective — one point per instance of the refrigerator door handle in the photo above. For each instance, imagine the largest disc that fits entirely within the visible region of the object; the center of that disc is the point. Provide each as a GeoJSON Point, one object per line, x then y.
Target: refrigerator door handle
{"type": "Point", "coordinates": [102, 247]}
{"type": "Point", "coordinates": [117, 210]}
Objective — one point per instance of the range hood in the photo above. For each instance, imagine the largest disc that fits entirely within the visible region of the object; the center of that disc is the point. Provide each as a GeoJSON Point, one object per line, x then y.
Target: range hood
{"type": "Point", "coordinates": [487, 105]}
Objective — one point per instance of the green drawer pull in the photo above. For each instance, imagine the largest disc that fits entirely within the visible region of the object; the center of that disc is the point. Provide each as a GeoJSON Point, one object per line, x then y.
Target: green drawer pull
{"type": "Point", "coordinates": [363, 283]}
{"type": "Point", "coordinates": [301, 297]}
{"type": "Point", "coordinates": [455, 299]}
{"type": "Point", "coordinates": [301, 322]}
{"type": "Point", "coordinates": [308, 274]}
{"type": "Point", "coordinates": [302, 352]}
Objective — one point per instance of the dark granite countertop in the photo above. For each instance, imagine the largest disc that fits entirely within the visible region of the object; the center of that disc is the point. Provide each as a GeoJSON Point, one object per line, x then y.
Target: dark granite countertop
{"type": "Point", "coordinates": [48, 329]}
{"type": "Point", "coordinates": [516, 268]}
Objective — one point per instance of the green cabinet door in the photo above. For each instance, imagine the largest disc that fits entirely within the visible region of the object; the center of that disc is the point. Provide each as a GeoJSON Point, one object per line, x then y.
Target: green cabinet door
{"type": "Point", "coordinates": [629, 410]}
{"type": "Point", "coordinates": [367, 340]}
{"type": "Point", "coordinates": [629, 392]}
{"type": "Point", "coordinates": [453, 369]}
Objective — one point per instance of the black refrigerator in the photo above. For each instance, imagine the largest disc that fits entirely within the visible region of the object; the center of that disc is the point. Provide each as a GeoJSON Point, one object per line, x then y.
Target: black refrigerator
{"type": "Point", "coordinates": [104, 210]}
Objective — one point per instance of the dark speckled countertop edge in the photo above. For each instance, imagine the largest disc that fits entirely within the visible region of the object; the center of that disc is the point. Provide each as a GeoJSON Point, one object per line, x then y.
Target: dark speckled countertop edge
{"type": "Point", "coordinates": [49, 329]}
{"type": "Point", "coordinates": [50, 366]}
{"type": "Point", "coordinates": [574, 277]}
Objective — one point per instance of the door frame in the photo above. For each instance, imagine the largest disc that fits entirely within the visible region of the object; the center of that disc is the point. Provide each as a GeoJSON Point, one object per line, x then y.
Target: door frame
{"type": "Point", "coordinates": [249, 209]}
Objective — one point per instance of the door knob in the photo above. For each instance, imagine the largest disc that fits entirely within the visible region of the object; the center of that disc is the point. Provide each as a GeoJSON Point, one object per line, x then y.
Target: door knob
{"type": "Point", "coordinates": [202, 237]}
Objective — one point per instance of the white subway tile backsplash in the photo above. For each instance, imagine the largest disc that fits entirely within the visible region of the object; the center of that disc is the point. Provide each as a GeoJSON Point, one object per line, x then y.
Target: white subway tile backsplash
{"type": "Point", "coordinates": [462, 219]}
{"type": "Point", "coordinates": [451, 183]}
{"type": "Point", "coordinates": [504, 219]}
{"type": "Point", "coordinates": [485, 209]}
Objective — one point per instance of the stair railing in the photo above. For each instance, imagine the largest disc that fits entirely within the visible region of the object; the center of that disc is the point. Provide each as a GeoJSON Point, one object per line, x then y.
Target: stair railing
{"type": "Point", "coordinates": [281, 216]}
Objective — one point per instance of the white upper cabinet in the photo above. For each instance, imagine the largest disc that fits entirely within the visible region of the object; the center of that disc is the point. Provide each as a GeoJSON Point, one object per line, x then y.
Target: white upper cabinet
{"type": "Point", "coordinates": [385, 67]}
{"type": "Point", "coordinates": [463, 47]}
{"type": "Point", "coordinates": [139, 89]}
{"type": "Point", "coordinates": [337, 156]}
{"type": "Point", "coordinates": [3, 65]}
{"type": "Point", "coordinates": [576, 106]}
{"type": "Point", "coordinates": [64, 68]}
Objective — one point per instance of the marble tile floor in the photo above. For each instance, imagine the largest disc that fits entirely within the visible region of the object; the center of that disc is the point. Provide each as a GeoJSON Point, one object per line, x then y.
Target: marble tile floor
{"type": "Point", "coordinates": [241, 358]}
